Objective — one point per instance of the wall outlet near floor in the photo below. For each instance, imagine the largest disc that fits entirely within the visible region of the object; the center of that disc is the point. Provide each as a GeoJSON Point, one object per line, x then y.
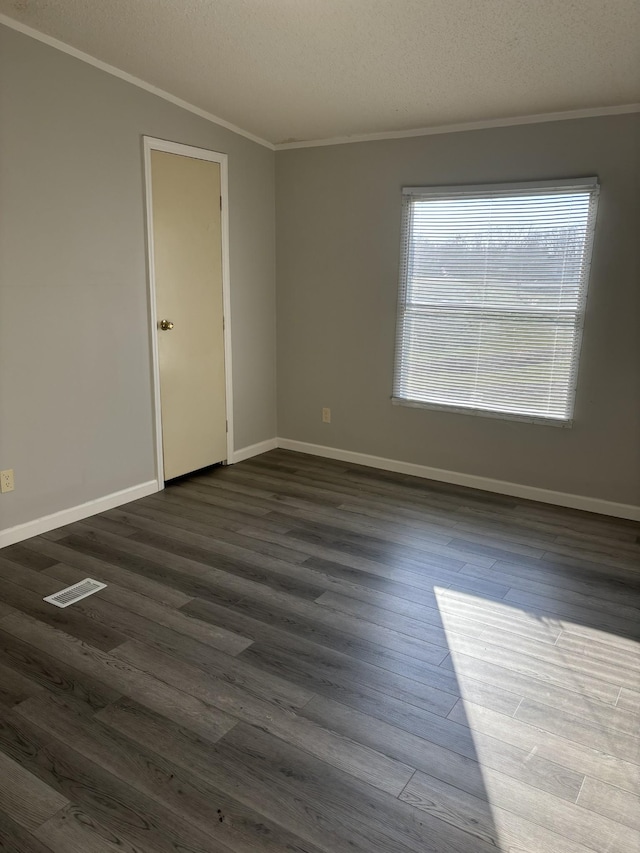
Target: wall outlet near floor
{"type": "Point", "coordinates": [6, 481]}
{"type": "Point", "coordinates": [326, 416]}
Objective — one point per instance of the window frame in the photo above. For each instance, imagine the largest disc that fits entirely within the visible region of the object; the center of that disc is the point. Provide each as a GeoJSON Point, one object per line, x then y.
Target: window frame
{"type": "Point", "coordinates": [587, 184]}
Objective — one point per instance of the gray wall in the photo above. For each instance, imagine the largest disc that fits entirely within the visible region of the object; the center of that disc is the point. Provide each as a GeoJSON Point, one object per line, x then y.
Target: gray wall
{"type": "Point", "coordinates": [338, 229]}
{"type": "Point", "coordinates": [75, 399]}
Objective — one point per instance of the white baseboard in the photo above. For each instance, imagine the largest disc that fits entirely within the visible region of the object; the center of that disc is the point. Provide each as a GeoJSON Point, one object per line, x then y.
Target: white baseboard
{"type": "Point", "coordinates": [253, 450]}
{"type": "Point", "coordinates": [11, 535]}
{"type": "Point", "coordinates": [502, 487]}
{"type": "Point", "coordinates": [75, 513]}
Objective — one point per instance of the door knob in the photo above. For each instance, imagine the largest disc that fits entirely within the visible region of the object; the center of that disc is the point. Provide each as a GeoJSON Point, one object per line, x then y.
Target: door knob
{"type": "Point", "coordinates": [166, 325]}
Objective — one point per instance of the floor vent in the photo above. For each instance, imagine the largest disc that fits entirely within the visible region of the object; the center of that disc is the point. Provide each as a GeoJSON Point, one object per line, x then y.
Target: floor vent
{"type": "Point", "coordinates": [74, 593]}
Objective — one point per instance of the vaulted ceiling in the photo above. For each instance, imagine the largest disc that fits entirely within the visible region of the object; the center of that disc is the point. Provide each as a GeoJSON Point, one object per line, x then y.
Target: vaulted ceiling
{"type": "Point", "coordinates": [312, 69]}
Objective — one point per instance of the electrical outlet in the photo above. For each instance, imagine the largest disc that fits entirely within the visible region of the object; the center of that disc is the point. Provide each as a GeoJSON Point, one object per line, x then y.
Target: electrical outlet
{"type": "Point", "coordinates": [326, 416]}
{"type": "Point", "coordinates": [6, 481]}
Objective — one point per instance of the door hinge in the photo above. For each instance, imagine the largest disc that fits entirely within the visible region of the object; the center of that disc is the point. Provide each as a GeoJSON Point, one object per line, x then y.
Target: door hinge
{"type": "Point", "coordinates": [220, 202]}
{"type": "Point", "coordinates": [226, 426]}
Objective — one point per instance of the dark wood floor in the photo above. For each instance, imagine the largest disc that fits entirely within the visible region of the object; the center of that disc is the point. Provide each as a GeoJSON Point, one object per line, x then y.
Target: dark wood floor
{"type": "Point", "coordinates": [294, 654]}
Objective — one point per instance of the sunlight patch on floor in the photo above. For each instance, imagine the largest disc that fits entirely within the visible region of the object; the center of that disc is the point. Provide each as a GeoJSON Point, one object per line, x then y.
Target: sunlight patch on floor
{"type": "Point", "coordinates": [576, 692]}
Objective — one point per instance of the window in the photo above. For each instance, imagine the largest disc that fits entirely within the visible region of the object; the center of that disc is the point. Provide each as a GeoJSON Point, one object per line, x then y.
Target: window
{"type": "Point", "coordinates": [493, 286]}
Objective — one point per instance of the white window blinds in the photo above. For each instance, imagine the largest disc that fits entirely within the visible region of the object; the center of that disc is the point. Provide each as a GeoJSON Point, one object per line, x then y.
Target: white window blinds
{"type": "Point", "coordinates": [492, 291]}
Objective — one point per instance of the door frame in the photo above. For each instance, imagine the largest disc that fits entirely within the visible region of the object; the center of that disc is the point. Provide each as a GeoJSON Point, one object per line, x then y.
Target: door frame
{"type": "Point", "coordinates": [152, 144]}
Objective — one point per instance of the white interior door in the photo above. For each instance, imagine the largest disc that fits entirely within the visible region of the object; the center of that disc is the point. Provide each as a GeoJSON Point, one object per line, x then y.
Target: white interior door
{"type": "Point", "coordinates": [187, 254]}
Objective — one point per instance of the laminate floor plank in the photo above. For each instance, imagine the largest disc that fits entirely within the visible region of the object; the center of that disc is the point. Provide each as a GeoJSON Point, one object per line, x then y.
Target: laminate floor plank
{"type": "Point", "coordinates": [590, 677]}
{"type": "Point", "coordinates": [344, 664]}
{"type": "Point", "coordinates": [501, 828]}
{"type": "Point", "coordinates": [449, 609]}
{"type": "Point", "coordinates": [417, 587]}
{"type": "Point", "coordinates": [629, 700]}
{"type": "Point", "coordinates": [214, 510]}
{"type": "Point", "coordinates": [5, 609]}
{"type": "Point", "coordinates": [568, 820]}
{"type": "Point", "coordinates": [71, 621]}
{"type": "Point", "coordinates": [371, 543]}
{"type": "Point", "coordinates": [551, 538]}
{"type": "Point", "coordinates": [492, 545]}
{"type": "Point", "coordinates": [109, 573]}
{"type": "Point", "coordinates": [23, 556]}
{"type": "Point", "coordinates": [357, 501]}
{"type": "Point", "coordinates": [624, 564]}
{"type": "Point", "coordinates": [407, 496]}
{"type": "Point", "coordinates": [561, 588]}
{"type": "Point", "coordinates": [366, 491]}
{"type": "Point", "coordinates": [196, 554]}
{"type": "Point", "coordinates": [224, 542]}
{"type": "Point", "coordinates": [312, 577]}
{"type": "Point", "coordinates": [314, 544]}
{"type": "Point", "coordinates": [139, 819]}
{"type": "Point", "coordinates": [616, 671]}
{"type": "Point", "coordinates": [431, 569]}
{"type": "Point", "coordinates": [172, 786]}
{"type": "Point", "coordinates": [218, 506]}
{"type": "Point", "coordinates": [355, 759]}
{"type": "Point", "coordinates": [100, 522]}
{"type": "Point", "coordinates": [185, 507]}
{"type": "Point", "coordinates": [15, 839]}
{"type": "Point", "coordinates": [249, 783]}
{"type": "Point", "coordinates": [29, 801]}
{"type": "Point", "coordinates": [612, 649]}
{"type": "Point", "coordinates": [19, 740]}
{"type": "Point", "coordinates": [588, 562]}
{"type": "Point", "coordinates": [575, 756]}
{"type": "Point", "coordinates": [330, 673]}
{"type": "Point", "coordinates": [74, 830]}
{"type": "Point", "coordinates": [495, 614]}
{"type": "Point", "coordinates": [464, 499]}
{"type": "Point", "coordinates": [569, 698]}
{"type": "Point", "coordinates": [546, 518]}
{"type": "Point", "coordinates": [457, 765]}
{"type": "Point", "coordinates": [293, 606]}
{"type": "Point", "coordinates": [402, 655]}
{"type": "Point", "coordinates": [612, 802]}
{"type": "Point", "coordinates": [378, 486]}
{"type": "Point", "coordinates": [386, 824]}
{"type": "Point", "coordinates": [561, 571]}
{"type": "Point", "coordinates": [598, 545]}
{"type": "Point", "coordinates": [227, 668]}
{"type": "Point", "coordinates": [48, 672]}
{"type": "Point", "coordinates": [150, 621]}
{"type": "Point", "coordinates": [627, 622]}
{"type": "Point", "coordinates": [278, 573]}
{"type": "Point", "coordinates": [338, 523]}
{"type": "Point", "coordinates": [151, 617]}
{"type": "Point", "coordinates": [597, 732]}
{"type": "Point", "coordinates": [306, 655]}
{"type": "Point", "coordinates": [54, 535]}
{"type": "Point", "coordinates": [403, 624]}
{"type": "Point", "coordinates": [122, 678]}
{"type": "Point", "coordinates": [14, 687]}
{"type": "Point", "coordinates": [194, 578]}
{"type": "Point", "coordinates": [252, 495]}
{"type": "Point", "coordinates": [429, 647]}
{"type": "Point", "coordinates": [411, 519]}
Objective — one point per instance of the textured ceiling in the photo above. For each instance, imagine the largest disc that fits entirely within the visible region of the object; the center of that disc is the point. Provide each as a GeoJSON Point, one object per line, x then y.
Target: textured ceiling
{"type": "Point", "coordinates": [312, 69]}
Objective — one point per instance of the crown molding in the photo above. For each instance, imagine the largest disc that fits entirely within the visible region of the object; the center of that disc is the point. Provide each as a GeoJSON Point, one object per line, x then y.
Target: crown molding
{"type": "Point", "coordinates": [311, 143]}
{"type": "Point", "coordinates": [463, 126]}
{"type": "Point", "coordinates": [129, 78]}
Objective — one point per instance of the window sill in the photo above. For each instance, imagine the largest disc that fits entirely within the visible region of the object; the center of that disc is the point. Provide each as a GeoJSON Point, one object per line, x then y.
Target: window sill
{"type": "Point", "coordinates": [484, 413]}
